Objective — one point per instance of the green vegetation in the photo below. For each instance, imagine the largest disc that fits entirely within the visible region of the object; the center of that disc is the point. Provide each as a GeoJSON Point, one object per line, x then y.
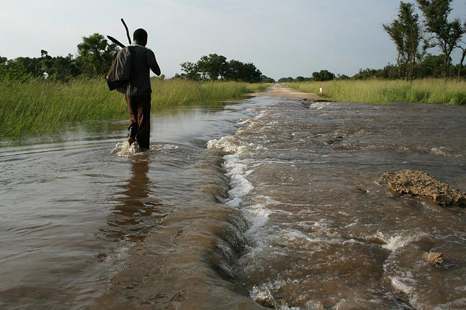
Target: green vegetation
{"type": "Point", "coordinates": [383, 91]}
{"type": "Point", "coordinates": [94, 58]}
{"type": "Point", "coordinates": [46, 94]}
{"type": "Point", "coordinates": [214, 67]}
{"type": "Point", "coordinates": [37, 107]}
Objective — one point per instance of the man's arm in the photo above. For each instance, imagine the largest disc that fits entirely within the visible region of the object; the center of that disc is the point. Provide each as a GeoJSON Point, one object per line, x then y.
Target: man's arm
{"type": "Point", "coordinates": [154, 66]}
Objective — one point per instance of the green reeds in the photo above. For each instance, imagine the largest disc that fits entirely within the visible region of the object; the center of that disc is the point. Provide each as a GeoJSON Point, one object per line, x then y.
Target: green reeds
{"type": "Point", "coordinates": [38, 107]}
{"type": "Point", "coordinates": [433, 91]}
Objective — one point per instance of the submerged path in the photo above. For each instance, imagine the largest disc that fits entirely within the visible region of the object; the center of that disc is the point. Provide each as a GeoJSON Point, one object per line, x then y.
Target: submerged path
{"type": "Point", "coordinates": [273, 202]}
{"type": "Point", "coordinates": [305, 222]}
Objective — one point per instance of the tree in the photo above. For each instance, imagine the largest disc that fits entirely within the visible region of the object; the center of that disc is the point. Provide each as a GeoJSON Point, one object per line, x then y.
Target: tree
{"type": "Point", "coordinates": [234, 70]}
{"type": "Point", "coordinates": [286, 79]}
{"type": "Point", "coordinates": [266, 79]}
{"type": "Point", "coordinates": [405, 32]}
{"type": "Point", "coordinates": [323, 75]}
{"type": "Point", "coordinates": [215, 67]}
{"type": "Point", "coordinates": [191, 71]}
{"type": "Point", "coordinates": [395, 31]}
{"type": "Point", "coordinates": [431, 66]}
{"type": "Point", "coordinates": [462, 46]}
{"type": "Point", "coordinates": [343, 77]}
{"type": "Point", "coordinates": [237, 71]}
{"type": "Point", "coordinates": [95, 55]}
{"type": "Point", "coordinates": [445, 34]}
{"type": "Point", "coordinates": [212, 67]}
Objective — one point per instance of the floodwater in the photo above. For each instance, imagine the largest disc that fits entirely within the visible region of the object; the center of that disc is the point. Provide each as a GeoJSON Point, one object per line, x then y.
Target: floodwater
{"type": "Point", "coordinates": [269, 202]}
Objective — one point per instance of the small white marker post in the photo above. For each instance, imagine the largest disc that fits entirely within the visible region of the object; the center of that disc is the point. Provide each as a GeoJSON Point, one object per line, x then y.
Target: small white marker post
{"type": "Point", "coordinates": [321, 91]}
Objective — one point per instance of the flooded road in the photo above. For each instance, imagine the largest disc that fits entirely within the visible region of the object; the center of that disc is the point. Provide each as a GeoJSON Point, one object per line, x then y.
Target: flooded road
{"type": "Point", "coordinates": [70, 211]}
{"type": "Point", "coordinates": [272, 202]}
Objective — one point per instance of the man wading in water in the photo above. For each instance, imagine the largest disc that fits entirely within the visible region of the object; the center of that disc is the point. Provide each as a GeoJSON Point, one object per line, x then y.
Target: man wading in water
{"type": "Point", "coordinates": [139, 91]}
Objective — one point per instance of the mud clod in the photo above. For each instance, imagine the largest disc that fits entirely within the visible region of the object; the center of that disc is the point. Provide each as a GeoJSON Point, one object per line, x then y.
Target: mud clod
{"type": "Point", "coordinates": [420, 184]}
{"type": "Point", "coordinates": [434, 258]}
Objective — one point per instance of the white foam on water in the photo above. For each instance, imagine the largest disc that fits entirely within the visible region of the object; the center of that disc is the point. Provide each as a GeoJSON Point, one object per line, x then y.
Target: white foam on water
{"type": "Point", "coordinates": [236, 168]}
{"type": "Point", "coordinates": [264, 294]}
{"type": "Point", "coordinates": [439, 151]}
{"type": "Point", "coordinates": [401, 285]}
{"type": "Point", "coordinates": [406, 286]}
{"type": "Point", "coordinates": [399, 241]}
{"type": "Point", "coordinates": [240, 186]}
{"type": "Point", "coordinates": [292, 235]}
{"type": "Point", "coordinates": [258, 215]}
{"type": "Point", "coordinates": [244, 122]}
{"type": "Point", "coordinates": [319, 105]}
{"type": "Point", "coordinates": [124, 149]}
{"type": "Point", "coordinates": [160, 147]}
{"type": "Point", "coordinates": [228, 144]}
{"type": "Point", "coordinates": [261, 114]}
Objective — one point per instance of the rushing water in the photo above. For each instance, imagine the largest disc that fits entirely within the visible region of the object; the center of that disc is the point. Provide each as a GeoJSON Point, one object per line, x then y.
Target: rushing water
{"type": "Point", "coordinates": [269, 200]}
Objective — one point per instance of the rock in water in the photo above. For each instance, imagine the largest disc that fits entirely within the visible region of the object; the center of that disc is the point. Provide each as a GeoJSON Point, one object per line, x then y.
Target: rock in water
{"type": "Point", "coordinates": [420, 184]}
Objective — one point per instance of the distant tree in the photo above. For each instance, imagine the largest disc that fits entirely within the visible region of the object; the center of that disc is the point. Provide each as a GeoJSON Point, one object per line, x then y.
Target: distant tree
{"type": "Point", "coordinates": [431, 66]}
{"type": "Point", "coordinates": [405, 32]}
{"type": "Point", "coordinates": [58, 68]}
{"type": "Point", "coordinates": [286, 80]}
{"type": "Point", "coordinates": [249, 73]}
{"type": "Point", "coordinates": [21, 68]}
{"type": "Point", "coordinates": [212, 67]}
{"type": "Point", "coordinates": [323, 75]}
{"type": "Point", "coordinates": [446, 34]}
{"type": "Point", "coordinates": [266, 79]}
{"type": "Point", "coordinates": [365, 74]}
{"type": "Point", "coordinates": [234, 70]}
{"type": "Point", "coordinates": [95, 55]}
{"type": "Point", "coordinates": [190, 71]}
{"type": "Point", "coordinates": [342, 77]}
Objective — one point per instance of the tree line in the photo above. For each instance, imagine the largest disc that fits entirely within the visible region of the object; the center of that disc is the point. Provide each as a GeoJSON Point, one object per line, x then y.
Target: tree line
{"type": "Point", "coordinates": [322, 75]}
{"type": "Point", "coordinates": [95, 56]}
{"type": "Point", "coordinates": [217, 67]}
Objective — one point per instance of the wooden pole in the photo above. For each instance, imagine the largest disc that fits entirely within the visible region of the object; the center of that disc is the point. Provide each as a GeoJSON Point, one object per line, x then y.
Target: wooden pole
{"type": "Point", "coordinates": [127, 31]}
{"type": "Point", "coordinates": [116, 41]}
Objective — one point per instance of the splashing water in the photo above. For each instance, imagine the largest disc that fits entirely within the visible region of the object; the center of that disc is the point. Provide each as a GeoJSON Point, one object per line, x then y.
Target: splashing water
{"type": "Point", "coordinates": [124, 149]}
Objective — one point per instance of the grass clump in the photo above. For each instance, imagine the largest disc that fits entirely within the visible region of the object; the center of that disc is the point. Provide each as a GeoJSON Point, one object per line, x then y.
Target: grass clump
{"type": "Point", "coordinates": [433, 91]}
{"type": "Point", "coordinates": [36, 107]}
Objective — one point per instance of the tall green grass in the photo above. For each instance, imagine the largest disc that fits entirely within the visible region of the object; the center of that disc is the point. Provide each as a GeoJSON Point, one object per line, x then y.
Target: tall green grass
{"type": "Point", "coordinates": [383, 91]}
{"type": "Point", "coordinates": [37, 107]}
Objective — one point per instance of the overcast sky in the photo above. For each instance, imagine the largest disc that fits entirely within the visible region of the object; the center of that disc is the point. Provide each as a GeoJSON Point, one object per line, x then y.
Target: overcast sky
{"type": "Point", "coordinates": [283, 38]}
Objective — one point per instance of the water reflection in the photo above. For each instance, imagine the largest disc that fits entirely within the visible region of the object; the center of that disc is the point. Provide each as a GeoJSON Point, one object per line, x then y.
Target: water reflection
{"type": "Point", "coordinates": [136, 210]}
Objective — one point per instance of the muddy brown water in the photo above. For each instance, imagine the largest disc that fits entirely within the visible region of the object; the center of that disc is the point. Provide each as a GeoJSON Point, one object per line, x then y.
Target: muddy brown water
{"type": "Point", "coordinates": [269, 202]}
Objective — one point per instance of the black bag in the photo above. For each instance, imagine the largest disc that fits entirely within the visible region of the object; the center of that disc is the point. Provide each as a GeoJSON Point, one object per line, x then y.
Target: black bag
{"type": "Point", "coordinates": [119, 75]}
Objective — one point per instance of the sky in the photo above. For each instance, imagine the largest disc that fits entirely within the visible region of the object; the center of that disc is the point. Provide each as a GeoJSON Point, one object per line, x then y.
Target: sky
{"type": "Point", "coordinates": [282, 38]}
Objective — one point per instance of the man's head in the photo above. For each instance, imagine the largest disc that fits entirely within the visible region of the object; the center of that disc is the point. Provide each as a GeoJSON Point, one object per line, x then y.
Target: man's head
{"type": "Point", "coordinates": [140, 37]}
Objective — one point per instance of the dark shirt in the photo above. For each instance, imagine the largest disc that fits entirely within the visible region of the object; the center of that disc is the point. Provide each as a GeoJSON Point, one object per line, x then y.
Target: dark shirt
{"type": "Point", "coordinates": [143, 60]}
